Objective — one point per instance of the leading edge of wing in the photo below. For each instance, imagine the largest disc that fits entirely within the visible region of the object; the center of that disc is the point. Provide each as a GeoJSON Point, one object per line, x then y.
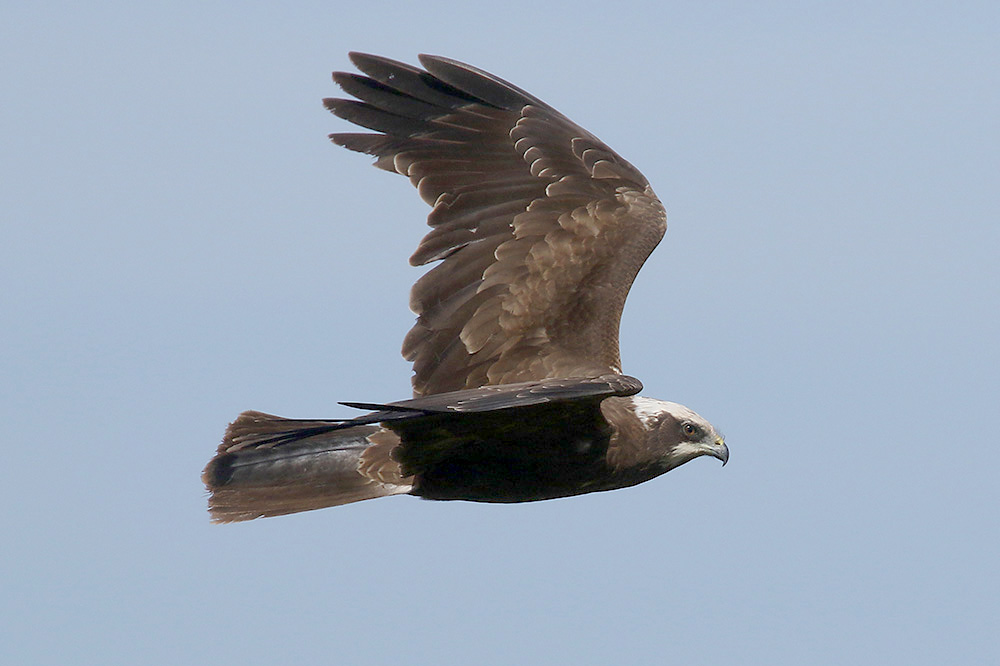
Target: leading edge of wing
{"type": "Point", "coordinates": [501, 396]}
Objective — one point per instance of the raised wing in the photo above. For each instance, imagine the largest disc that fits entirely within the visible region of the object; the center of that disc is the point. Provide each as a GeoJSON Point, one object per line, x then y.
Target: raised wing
{"type": "Point", "coordinates": [539, 227]}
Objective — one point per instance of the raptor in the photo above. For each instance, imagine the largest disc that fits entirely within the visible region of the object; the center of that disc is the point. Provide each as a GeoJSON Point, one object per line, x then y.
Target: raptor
{"type": "Point", "coordinates": [538, 230]}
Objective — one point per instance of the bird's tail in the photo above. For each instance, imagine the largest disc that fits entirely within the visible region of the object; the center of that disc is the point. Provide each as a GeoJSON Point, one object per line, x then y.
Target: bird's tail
{"type": "Point", "coordinates": [270, 466]}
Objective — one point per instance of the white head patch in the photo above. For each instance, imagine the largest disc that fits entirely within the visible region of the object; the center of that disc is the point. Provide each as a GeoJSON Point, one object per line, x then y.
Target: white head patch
{"type": "Point", "coordinates": [649, 409]}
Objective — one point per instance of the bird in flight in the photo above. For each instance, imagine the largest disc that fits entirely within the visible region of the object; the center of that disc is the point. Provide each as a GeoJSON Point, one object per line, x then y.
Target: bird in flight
{"type": "Point", "coordinates": [537, 231]}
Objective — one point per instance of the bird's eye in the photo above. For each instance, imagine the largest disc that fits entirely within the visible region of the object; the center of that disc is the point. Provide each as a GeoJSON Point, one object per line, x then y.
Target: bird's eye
{"type": "Point", "coordinates": [690, 429]}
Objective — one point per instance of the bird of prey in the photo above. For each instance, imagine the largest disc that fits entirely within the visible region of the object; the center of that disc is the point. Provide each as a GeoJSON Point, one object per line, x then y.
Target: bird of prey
{"type": "Point", "coordinates": [537, 231]}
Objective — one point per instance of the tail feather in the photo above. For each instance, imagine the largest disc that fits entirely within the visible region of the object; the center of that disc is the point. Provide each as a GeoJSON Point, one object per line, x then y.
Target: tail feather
{"type": "Point", "coordinates": [271, 466]}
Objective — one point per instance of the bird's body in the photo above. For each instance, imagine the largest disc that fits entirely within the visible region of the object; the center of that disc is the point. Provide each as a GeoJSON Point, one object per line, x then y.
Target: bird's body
{"type": "Point", "coordinates": [539, 230]}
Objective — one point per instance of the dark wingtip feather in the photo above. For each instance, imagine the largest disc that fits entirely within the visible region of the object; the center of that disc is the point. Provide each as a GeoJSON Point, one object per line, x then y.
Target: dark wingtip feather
{"type": "Point", "coordinates": [374, 65]}
{"type": "Point", "coordinates": [366, 115]}
{"type": "Point", "coordinates": [384, 97]}
{"type": "Point", "coordinates": [375, 406]}
{"type": "Point", "coordinates": [478, 83]}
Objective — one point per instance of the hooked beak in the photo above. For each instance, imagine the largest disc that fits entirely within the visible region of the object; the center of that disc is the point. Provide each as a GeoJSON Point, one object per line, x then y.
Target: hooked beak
{"type": "Point", "coordinates": [719, 450]}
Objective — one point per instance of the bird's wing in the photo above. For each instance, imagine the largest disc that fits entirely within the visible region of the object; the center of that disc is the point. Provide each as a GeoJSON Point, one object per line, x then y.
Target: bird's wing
{"type": "Point", "coordinates": [538, 226]}
{"type": "Point", "coordinates": [500, 397]}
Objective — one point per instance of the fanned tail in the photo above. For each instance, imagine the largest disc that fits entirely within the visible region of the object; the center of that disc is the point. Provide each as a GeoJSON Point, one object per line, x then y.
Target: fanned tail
{"type": "Point", "coordinates": [271, 466]}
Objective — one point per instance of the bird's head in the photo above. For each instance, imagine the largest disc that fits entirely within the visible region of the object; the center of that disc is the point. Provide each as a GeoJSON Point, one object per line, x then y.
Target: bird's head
{"type": "Point", "coordinates": [680, 433]}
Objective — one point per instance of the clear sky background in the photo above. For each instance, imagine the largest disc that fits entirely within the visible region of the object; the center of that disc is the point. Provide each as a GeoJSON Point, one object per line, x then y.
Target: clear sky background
{"type": "Point", "coordinates": [180, 242]}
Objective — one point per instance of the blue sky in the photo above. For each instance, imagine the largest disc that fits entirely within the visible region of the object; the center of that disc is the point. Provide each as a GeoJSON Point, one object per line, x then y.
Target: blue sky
{"type": "Point", "coordinates": [181, 243]}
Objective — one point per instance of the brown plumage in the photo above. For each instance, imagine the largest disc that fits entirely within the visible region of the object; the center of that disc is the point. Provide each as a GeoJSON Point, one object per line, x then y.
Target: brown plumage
{"type": "Point", "coordinates": [538, 230]}
{"type": "Point", "coordinates": [538, 226]}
